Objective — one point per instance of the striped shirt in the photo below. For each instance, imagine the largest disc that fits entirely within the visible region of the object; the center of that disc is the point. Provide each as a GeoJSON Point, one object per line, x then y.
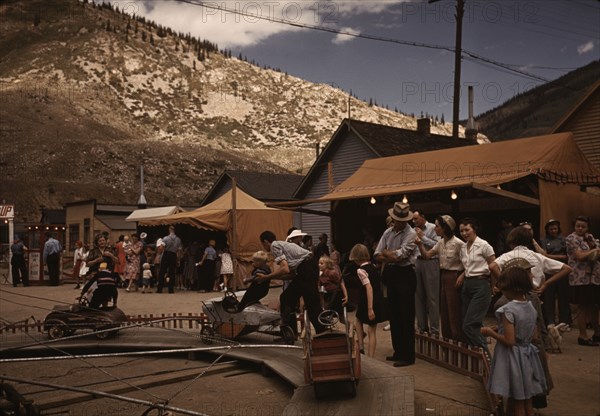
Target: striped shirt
{"type": "Point", "coordinates": [290, 252]}
{"type": "Point", "coordinates": [401, 242]}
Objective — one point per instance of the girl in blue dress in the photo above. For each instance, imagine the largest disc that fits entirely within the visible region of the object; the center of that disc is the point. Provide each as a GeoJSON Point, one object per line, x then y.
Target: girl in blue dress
{"type": "Point", "coordinates": [516, 372]}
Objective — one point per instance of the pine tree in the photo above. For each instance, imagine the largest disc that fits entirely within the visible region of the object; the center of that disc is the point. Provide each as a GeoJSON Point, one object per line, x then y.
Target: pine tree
{"type": "Point", "coordinates": [143, 36]}
{"type": "Point", "coordinates": [36, 20]}
{"type": "Point", "coordinates": [151, 39]}
{"type": "Point", "coordinates": [442, 119]}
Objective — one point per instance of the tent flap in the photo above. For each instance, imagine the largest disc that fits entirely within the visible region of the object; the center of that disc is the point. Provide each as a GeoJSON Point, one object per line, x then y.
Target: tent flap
{"type": "Point", "coordinates": [251, 215]}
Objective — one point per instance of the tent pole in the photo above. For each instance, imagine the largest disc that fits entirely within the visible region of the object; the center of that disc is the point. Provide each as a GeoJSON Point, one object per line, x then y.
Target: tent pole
{"type": "Point", "coordinates": [233, 248]}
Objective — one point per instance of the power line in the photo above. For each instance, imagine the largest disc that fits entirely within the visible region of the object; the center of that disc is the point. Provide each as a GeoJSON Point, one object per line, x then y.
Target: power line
{"type": "Point", "coordinates": [362, 36]}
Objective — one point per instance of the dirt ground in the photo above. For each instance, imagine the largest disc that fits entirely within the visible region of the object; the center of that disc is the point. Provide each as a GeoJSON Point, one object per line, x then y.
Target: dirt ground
{"type": "Point", "coordinates": [438, 391]}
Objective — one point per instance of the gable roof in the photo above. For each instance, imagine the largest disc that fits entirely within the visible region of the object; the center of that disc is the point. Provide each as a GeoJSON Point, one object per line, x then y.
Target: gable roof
{"type": "Point", "coordinates": [261, 185]}
{"type": "Point", "coordinates": [554, 157]}
{"type": "Point", "coordinates": [392, 141]}
{"type": "Point", "coordinates": [575, 109]}
{"type": "Point", "coordinates": [384, 141]}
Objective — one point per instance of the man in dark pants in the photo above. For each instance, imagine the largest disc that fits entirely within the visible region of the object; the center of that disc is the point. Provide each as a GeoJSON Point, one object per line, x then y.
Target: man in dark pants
{"type": "Point", "coordinates": [168, 262]}
{"type": "Point", "coordinates": [398, 252]}
{"type": "Point", "coordinates": [17, 263]}
{"type": "Point", "coordinates": [52, 250]}
{"type": "Point", "coordinates": [299, 265]}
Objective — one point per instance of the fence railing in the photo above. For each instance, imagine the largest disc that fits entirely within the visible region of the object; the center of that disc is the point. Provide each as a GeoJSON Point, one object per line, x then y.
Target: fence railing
{"type": "Point", "coordinates": [172, 321]}
{"type": "Point", "coordinates": [458, 357]}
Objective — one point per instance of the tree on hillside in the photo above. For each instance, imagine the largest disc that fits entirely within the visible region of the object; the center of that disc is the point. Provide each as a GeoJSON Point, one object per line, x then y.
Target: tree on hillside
{"type": "Point", "coordinates": [442, 119]}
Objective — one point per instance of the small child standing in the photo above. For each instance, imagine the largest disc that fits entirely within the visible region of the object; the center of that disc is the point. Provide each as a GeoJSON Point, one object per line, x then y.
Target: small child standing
{"type": "Point", "coordinates": [331, 286]}
{"type": "Point", "coordinates": [370, 301]}
{"type": "Point", "coordinates": [146, 277]}
{"type": "Point", "coordinates": [257, 290]}
{"type": "Point", "coordinates": [516, 371]}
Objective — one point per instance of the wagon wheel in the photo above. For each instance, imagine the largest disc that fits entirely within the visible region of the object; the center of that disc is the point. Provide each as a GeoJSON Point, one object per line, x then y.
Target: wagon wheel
{"type": "Point", "coordinates": [57, 329]}
{"type": "Point", "coordinates": [207, 334]}
{"type": "Point", "coordinates": [104, 334]}
{"type": "Point", "coordinates": [288, 335]}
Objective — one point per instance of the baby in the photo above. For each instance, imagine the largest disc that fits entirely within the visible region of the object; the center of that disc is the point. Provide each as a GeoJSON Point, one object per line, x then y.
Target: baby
{"type": "Point", "coordinates": [146, 277]}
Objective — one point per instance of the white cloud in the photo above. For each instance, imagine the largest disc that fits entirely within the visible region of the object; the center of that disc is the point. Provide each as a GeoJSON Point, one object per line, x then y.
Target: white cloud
{"type": "Point", "coordinates": [585, 48]}
{"type": "Point", "coordinates": [339, 39]}
{"type": "Point", "coordinates": [229, 29]}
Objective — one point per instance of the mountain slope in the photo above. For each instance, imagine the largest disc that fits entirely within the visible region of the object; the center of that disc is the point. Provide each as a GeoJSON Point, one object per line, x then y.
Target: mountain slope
{"type": "Point", "coordinates": [90, 93]}
{"type": "Point", "coordinates": [536, 111]}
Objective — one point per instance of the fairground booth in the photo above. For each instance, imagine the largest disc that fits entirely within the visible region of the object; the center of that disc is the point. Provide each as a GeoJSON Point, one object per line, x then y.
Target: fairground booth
{"type": "Point", "coordinates": [236, 219]}
{"type": "Point", "coordinates": [532, 179]}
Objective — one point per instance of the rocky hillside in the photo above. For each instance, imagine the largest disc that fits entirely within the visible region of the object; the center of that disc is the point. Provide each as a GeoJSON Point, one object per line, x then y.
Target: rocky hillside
{"type": "Point", "coordinates": [536, 111]}
{"type": "Point", "coordinates": [90, 93]}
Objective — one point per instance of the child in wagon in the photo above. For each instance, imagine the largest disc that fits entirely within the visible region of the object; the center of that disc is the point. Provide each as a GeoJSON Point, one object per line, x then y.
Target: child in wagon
{"type": "Point", "coordinates": [257, 290]}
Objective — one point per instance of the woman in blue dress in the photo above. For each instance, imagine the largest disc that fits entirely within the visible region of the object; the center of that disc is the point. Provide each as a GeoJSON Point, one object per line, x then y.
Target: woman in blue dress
{"type": "Point", "coordinates": [516, 372]}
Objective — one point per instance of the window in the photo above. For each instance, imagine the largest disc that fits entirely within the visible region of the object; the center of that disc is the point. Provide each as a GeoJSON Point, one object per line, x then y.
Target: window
{"type": "Point", "coordinates": [86, 232]}
{"type": "Point", "coordinates": [73, 236]}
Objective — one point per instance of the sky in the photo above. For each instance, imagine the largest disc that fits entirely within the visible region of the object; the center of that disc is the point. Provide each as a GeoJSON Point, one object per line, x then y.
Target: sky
{"type": "Point", "coordinates": [403, 56]}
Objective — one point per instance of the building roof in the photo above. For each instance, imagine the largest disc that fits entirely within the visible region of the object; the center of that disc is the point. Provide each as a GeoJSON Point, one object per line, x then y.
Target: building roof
{"type": "Point", "coordinates": [555, 158]}
{"type": "Point", "coordinates": [384, 141]}
{"type": "Point", "coordinates": [261, 185]}
{"type": "Point", "coordinates": [115, 222]}
{"type": "Point", "coordinates": [558, 127]}
{"type": "Point", "coordinates": [150, 213]}
{"type": "Point", "coordinates": [391, 141]}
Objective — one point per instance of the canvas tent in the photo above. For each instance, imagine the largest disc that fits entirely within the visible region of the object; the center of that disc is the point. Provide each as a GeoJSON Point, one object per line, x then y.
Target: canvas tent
{"type": "Point", "coordinates": [152, 213]}
{"type": "Point", "coordinates": [560, 167]}
{"type": "Point", "coordinates": [239, 215]}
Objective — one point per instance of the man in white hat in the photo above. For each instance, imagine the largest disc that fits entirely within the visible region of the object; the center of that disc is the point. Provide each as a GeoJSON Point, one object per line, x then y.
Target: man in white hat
{"type": "Point", "coordinates": [398, 252]}
{"type": "Point", "coordinates": [300, 267]}
{"type": "Point", "coordinates": [295, 237]}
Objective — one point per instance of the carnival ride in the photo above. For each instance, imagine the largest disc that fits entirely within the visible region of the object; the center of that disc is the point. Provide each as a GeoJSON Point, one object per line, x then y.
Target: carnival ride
{"type": "Point", "coordinates": [223, 319]}
{"type": "Point", "coordinates": [64, 320]}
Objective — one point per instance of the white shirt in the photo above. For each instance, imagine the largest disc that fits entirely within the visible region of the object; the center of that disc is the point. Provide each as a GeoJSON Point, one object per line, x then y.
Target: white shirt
{"type": "Point", "coordinates": [474, 259]}
{"type": "Point", "coordinates": [542, 265]}
{"type": "Point", "coordinates": [449, 253]}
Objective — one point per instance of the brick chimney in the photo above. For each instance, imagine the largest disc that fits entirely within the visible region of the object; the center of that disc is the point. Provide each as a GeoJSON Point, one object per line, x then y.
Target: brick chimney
{"type": "Point", "coordinates": [424, 126]}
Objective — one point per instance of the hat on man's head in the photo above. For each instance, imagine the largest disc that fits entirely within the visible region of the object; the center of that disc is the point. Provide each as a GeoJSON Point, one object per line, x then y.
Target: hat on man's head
{"type": "Point", "coordinates": [143, 235]}
{"type": "Point", "coordinates": [552, 221]}
{"type": "Point", "coordinates": [400, 212]}
{"type": "Point", "coordinates": [519, 262]}
{"type": "Point", "coordinates": [295, 233]}
{"type": "Point", "coordinates": [450, 221]}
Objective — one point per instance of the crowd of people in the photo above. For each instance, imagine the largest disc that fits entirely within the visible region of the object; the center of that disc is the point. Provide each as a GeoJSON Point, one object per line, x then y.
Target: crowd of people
{"type": "Point", "coordinates": [419, 275]}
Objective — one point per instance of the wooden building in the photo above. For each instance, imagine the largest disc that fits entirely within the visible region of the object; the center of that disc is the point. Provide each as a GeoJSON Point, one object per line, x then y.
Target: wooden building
{"type": "Point", "coordinates": [264, 186]}
{"type": "Point", "coordinates": [584, 122]}
{"type": "Point", "coordinates": [352, 143]}
{"type": "Point", "coordinates": [85, 219]}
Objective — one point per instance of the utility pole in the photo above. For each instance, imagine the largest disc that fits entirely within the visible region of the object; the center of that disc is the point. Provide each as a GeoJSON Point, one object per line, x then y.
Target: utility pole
{"type": "Point", "coordinates": [460, 11]}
